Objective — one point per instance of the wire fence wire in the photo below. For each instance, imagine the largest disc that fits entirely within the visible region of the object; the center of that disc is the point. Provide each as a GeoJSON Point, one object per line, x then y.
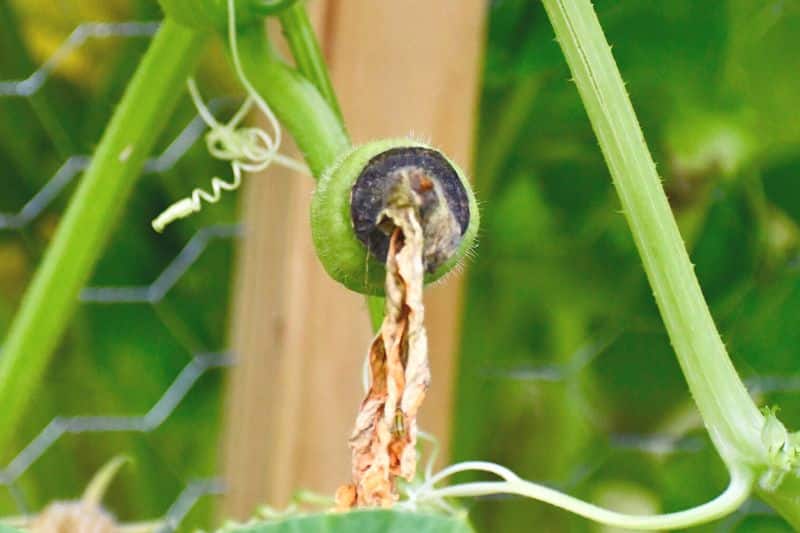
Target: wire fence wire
{"type": "Point", "coordinates": [97, 30]}
{"type": "Point", "coordinates": [199, 365]}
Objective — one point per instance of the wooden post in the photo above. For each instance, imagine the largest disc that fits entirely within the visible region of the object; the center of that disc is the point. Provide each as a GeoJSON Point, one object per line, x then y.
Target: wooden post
{"type": "Point", "coordinates": [399, 68]}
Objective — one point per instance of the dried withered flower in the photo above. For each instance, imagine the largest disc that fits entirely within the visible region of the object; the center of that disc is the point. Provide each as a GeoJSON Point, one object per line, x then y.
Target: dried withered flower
{"type": "Point", "coordinates": [86, 515]}
{"type": "Point", "coordinates": [384, 438]}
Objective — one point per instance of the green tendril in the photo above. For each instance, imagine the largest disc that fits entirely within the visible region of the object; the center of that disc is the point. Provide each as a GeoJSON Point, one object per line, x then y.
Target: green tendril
{"type": "Point", "coordinates": [248, 149]}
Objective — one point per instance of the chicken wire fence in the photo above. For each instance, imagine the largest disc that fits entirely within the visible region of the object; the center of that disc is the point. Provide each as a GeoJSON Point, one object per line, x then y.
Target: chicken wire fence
{"type": "Point", "coordinates": [199, 364]}
{"type": "Point", "coordinates": [202, 363]}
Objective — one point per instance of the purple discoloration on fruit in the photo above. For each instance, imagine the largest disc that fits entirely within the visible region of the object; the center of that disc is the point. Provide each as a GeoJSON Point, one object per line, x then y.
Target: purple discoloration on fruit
{"type": "Point", "coordinates": [420, 176]}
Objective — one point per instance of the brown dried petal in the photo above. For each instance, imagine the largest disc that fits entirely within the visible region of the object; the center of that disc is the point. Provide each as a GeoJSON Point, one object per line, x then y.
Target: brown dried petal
{"type": "Point", "coordinates": [384, 437]}
{"type": "Point", "coordinates": [73, 517]}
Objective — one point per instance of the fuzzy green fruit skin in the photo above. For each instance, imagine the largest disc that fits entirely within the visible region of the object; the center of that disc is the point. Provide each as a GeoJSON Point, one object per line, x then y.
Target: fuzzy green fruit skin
{"type": "Point", "coordinates": [343, 256]}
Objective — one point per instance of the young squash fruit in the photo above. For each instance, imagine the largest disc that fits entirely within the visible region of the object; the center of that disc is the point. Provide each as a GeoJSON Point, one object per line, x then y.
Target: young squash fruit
{"type": "Point", "coordinates": [348, 226]}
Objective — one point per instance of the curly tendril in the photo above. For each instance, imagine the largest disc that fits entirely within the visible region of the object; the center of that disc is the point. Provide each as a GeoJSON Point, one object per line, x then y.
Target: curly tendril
{"type": "Point", "coordinates": [248, 149]}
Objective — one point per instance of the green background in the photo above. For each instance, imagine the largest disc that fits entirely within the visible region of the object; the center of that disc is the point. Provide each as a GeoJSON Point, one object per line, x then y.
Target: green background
{"type": "Point", "coordinates": [566, 373]}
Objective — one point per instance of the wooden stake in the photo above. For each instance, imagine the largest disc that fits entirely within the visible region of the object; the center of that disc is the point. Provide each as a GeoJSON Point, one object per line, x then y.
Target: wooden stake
{"type": "Point", "coordinates": [399, 68]}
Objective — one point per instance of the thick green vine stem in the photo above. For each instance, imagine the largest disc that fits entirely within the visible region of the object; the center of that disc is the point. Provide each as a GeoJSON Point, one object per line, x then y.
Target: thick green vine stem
{"type": "Point", "coordinates": [730, 415]}
{"type": "Point", "coordinates": [299, 99]}
{"type": "Point", "coordinates": [101, 196]}
{"type": "Point", "coordinates": [735, 424]}
{"type": "Point", "coordinates": [296, 101]}
{"type": "Point", "coordinates": [307, 55]}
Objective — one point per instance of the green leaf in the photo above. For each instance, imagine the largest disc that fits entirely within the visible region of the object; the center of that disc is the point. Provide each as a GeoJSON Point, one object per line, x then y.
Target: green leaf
{"type": "Point", "coordinates": [373, 520]}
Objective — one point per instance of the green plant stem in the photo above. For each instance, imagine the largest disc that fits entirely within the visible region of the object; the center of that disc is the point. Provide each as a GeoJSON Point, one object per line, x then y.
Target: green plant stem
{"type": "Point", "coordinates": [309, 60]}
{"type": "Point", "coordinates": [306, 52]}
{"type": "Point", "coordinates": [301, 107]}
{"type": "Point", "coordinates": [726, 503]}
{"type": "Point", "coordinates": [298, 104]}
{"type": "Point", "coordinates": [87, 223]}
{"type": "Point", "coordinates": [733, 420]}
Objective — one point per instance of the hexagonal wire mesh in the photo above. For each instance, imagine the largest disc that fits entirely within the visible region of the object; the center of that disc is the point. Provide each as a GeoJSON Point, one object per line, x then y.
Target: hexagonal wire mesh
{"type": "Point", "coordinates": [205, 362]}
{"type": "Point", "coordinates": [200, 363]}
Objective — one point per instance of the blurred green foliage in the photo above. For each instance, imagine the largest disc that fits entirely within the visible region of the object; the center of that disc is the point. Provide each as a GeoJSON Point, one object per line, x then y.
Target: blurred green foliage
{"type": "Point", "coordinates": [567, 374]}
{"type": "Point", "coordinates": [566, 371]}
{"type": "Point", "coordinates": [117, 359]}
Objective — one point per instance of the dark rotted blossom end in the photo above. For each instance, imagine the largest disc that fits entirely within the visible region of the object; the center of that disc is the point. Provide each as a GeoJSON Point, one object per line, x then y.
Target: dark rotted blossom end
{"type": "Point", "coordinates": [416, 176]}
